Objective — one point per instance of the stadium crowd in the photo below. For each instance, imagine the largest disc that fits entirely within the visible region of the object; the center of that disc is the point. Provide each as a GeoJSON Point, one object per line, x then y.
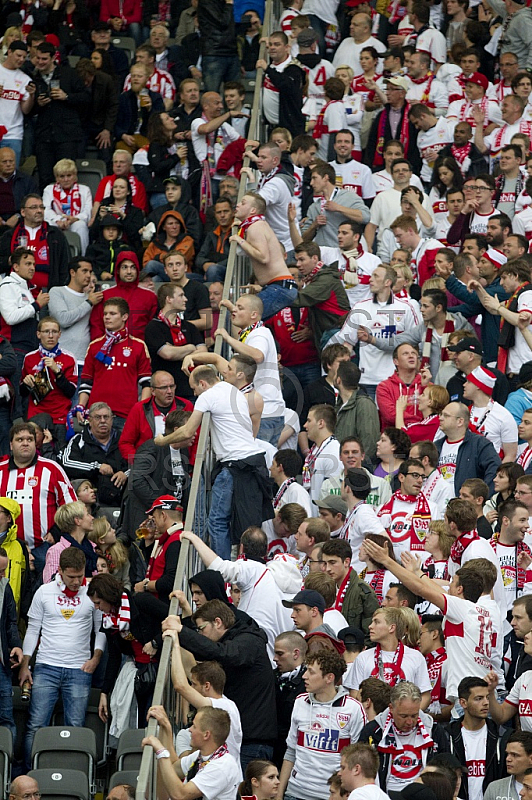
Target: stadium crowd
{"type": "Point", "coordinates": [362, 625]}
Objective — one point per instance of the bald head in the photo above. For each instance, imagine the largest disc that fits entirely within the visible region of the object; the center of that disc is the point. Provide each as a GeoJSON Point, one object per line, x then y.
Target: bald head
{"type": "Point", "coordinates": [24, 787]}
{"type": "Point", "coordinates": [122, 792]}
{"type": "Point", "coordinates": [253, 303]}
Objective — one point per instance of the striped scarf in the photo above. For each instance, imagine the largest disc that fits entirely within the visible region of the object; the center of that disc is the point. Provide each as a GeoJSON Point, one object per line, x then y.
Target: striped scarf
{"type": "Point", "coordinates": [119, 620]}
{"type": "Point", "coordinates": [448, 329]}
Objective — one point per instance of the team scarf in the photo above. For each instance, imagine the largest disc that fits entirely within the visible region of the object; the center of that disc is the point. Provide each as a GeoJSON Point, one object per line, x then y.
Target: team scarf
{"type": "Point", "coordinates": [461, 153]}
{"type": "Point", "coordinates": [391, 738]}
{"type": "Point", "coordinates": [524, 127]}
{"type": "Point", "coordinates": [178, 337]}
{"type": "Point", "coordinates": [524, 459]}
{"type": "Point", "coordinates": [119, 620]}
{"type": "Point", "coordinates": [461, 544]}
{"type": "Point", "coordinates": [20, 230]}
{"type": "Point", "coordinates": [111, 338]}
{"type": "Point", "coordinates": [340, 596]}
{"type": "Point", "coordinates": [200, 763]}
{"type": "Point", "coordinates": [403, 134]}
{"type": "Point", "coordinates": [435, 662]}
{"type": "Point", "coordinates": [500, 180]}
{"type": "Point", "coordinates": [249, 387]}
{"type": "Point", "coordinates": [313, 274]}
{"type": "Point", "coordinates": [267, 177]}
{"type": "Point", "coordinates": [376, 581]}
{"type": "Point", "coordinates": [447, 330]}
{"type": "Point", "coordinates": [244, 333]}
{"type": "Point", "coordinates": [66, 201]}
{"type": "Point", "coordinates": [520, 547]}
{"type": "Point", "coordinates": [53, 353]}
{"type": "Point", "coordinates": [320, 129]}
{"type": "Point", "coordinates": [208, 167]}
{"type": "Point", "coordinates": [428, 78]}
{"type": "Point", "coordinates": [389, 672]}
{"type": "Point", "coordinates": [430, 568]}
{"type": "Point", "coordinates": [63, 587]}
{"type": "Point", "coordinates": [351, 264]}
{"type": "Point", "coordinates": [282, 489]}
{"type": "Point", "coordinates": [245, 224]}
{"type": "Point", "coordinates": [310, 460]}
{"type": "Point", "coordinates": [421, 516]}
{"type": "Point", "coordinates": [343, 533]}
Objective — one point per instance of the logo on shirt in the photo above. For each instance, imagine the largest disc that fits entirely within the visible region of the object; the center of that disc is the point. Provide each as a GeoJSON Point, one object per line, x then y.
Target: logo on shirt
{"type": "Point", "coordinates": [126, 351]}
{"type": "Point", "coordinates": [33, 481]}
{"type": "Point", "coordinates": [342, 719]}
{"type": "Point", "coordinates": [325, 741]}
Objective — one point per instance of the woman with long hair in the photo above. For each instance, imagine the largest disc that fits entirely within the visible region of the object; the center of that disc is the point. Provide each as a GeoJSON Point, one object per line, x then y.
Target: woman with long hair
{"type": "Point", "coordinates": [118, 202]}
{"type": "Point", "coordinates": [103, 61]}
{"type": "Point", "coordinates": [504, 483]}
{"type": "Point", "coordinates": [114, 552]}
{"type": "Point", "coordinates": [261, 781]}
{"type": "Point", "coordinates": [374, 574]}
{"type": "Point", "coordinates": [166, 157]}
{"type": "Point", "coordinates": [446, 177]}
{"type": "Point", "coordinates": [431, 402]}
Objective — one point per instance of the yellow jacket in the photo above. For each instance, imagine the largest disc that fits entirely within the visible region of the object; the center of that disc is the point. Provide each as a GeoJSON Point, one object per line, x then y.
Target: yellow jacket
{"type": "Point", "coordinates": [14, 549]}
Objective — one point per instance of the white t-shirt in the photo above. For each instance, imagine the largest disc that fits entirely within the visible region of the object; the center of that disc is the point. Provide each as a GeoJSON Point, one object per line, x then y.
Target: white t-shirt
{"type": "Point", "coordinates": [222, 137]}
{"type": "Point", "coordinates": [433, 42]}
{"type": "Point", "coordinates": [349, 53]}
{"type": "Point", "coordinates": [520, 696]}
{"type": "Point", "coordinates": [368, 792]}
{"type": "Point", "coordinates": [447, 461]}
{"type": "Point", "coordinates": [335, 119]}
{"type": "Point", "coordinates": [355, 177]}
{"type": "Point", "coordinates": [479, 222]}
{"type": "Point", "coordinates": [335, 619]}
{"type": "Point", "coordinates": [270, 93]}
{"type": "Point", "coordinates": [15, 84]}
{"type": "Point", "coordinates": [383, 180]}
{"type": "Point", "coordinates": [363, 521]}
{"type": "Point", "coordinates": [520, 353]}
{"type": "Point", "coordinates": [234, 740]}
{"type": "Point", "coordinates": [414, 668]}
{"type": "Point", "coordinates": [365, 265]}
{"type": "Point", "coordinates": [219, 778]}
{"type": "Point", "coordinates": [232, 434]}
{"type": "Point", "coordinates": [436, 139]}
{"type": "Point", "coordinates": [468, 630]}
{"type": "Point", "coordinates": [327, 465]}
{"type": "Point", "coordinates": [475, 757]}
{"type": "Point", "coordinates": [267, 381]}
{"type": "Point", "coordinates": [497, 425]}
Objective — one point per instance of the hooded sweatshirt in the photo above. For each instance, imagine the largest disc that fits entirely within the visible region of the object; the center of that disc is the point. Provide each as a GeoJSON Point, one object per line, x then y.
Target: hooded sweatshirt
{"type": "Point", "coordinates": [15, 552]}
{"type": "Point", "coordinates": [319, 731]}
{"type": "Point", "coordinates": [185, 208]}
{"type": "Point", "coordinates": [142, 302]}
{"type": "Point", "coordinates": [157, 247]}
{"type": "Point", "coordinates": [103, 254]}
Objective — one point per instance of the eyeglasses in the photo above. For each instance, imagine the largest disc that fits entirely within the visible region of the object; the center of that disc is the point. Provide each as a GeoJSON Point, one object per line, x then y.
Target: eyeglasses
{"type": "Point", "coordinates": [415, 475]}
{"type": "Point", "coordinates": [519, 492]}
{"type": "Point", "coordinates": [482, 189]}
{"type": "Point", "coordinates": [169, 386]}
{"type": "Point", "coordinates": [101, 416]}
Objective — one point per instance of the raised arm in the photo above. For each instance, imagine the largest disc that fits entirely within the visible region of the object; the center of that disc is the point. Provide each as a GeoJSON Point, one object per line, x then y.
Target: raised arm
{"type": "Point", "coordinates": [418, 582]}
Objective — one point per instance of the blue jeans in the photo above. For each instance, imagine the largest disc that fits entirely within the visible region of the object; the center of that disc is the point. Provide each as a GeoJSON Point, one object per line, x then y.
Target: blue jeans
{"type": "Point", "coordinates": [270, 429]}
{"type": "Point", "coordinates": [371, 391]}
{"type": "Point", "coordinates": [320, 26]}
{"type": "Point", "coordinates": [275, 297]}
{"type": "Point", "coordinates": [216, 272]}
{"type": "Point", "coordinates": [219, 522]}
{"type": "Point", "coordinates": [249, 752]}
{"type": "Point", "coordinates": [157, 199]}
{"type": "Point", "coordinates": [48, 682]}
{"type": "Point", "coordinates": [295, 378]}
{"type": "Point", "coordinates": [219, 69]}
{"type": "Point", "coordinates": [6, 700]}
{"type": "Point", "coordinates": [16, 145]}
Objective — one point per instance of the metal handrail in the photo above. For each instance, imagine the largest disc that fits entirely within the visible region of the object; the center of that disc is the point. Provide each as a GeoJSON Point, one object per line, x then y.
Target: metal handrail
{"type": "Point", "coordinates": [236, 266]}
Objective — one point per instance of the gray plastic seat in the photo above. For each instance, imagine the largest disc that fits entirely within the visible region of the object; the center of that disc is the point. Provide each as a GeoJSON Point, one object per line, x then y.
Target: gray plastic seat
{"type": "Point", "coordinates": [129, 750]}
{"type": "Point", "coordinates": [6, 757]}
{"type": "Point", "coordinates": [129, 776]}
{"type": "Point", "coordinates": [73, 748]}
{"type": "Point", "coordinates": [58, 784]}
{"type": "Point", "coordinates": [74, 243]}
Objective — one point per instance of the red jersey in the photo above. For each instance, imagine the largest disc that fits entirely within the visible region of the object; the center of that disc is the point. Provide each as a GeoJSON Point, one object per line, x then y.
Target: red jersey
{"type": "Point", "coordinates": [39, 489]}
{"type": "Point", "coordinates": [117, 383]}
{"type": "Point", "coordinates": [282, 326]}
{"type": "Point", "coordinates": [139, 197]}
{"type": "Point", "coordinates": [56, 403]}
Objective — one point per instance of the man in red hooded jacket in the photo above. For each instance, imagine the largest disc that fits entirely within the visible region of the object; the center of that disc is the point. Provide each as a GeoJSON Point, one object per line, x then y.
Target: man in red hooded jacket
{"type": "Point", "coordinates": [142, 302]}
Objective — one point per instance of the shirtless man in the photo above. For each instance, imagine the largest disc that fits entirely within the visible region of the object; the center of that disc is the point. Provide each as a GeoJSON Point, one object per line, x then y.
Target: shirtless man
{"type": "Point", "coordinates": [258, 241]}
{"type": "Point", "coordinates": [239, 372]}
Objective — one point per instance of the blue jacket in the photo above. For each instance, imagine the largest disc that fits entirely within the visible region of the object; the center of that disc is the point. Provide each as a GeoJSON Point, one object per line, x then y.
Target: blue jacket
{"type": "Point", "coordinates": [128, 113]}
{"type": "Point", "coordinates": [471, 306]}
{"type": "Point", "coordinates": [518, 402]}
{"type": "Point", "coordinates": [477, 458]}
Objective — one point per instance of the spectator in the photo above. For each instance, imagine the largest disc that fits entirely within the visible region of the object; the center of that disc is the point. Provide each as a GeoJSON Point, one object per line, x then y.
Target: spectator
{"type": "Point", "coordinates": [212, 257]}
{"type": "Point", "coordinates": [159, 80]}
{"type": "Point", "coordinates": [119, 204]}
{"type": "Point", "coordinates": [282, 93]}
{"type": "Point", "coordinates": [99, 116]}
{"type": "Point", "coordinates": [356, 413]}
{"type": "Point", "coordinates": [101, 39]}
{"type": "Point", "coordinates": [121, 169]}
{"type": "Point", "coordinates": [219, 56]}
{"type": "Point", "coordinates": [16, 185]}
{"type": "Point", "coordinates": [171, 237]}
{"type": "Point", "coordinates": [67, 203]}
{"type": "Point", "coordinates": [104, 251]}
{"type": "Point", "coordinates": [165, 157]}
{"type": "Point", "coordinates": [73, 522]}
{"type": "Point", "coordinates": [134, 108]}
{"type": "Point", "coordinates": [122, 17]}
{"type": "Point", "coordinates": [178, 198]}
{"type": "Point", "coordinates": [20, 96]}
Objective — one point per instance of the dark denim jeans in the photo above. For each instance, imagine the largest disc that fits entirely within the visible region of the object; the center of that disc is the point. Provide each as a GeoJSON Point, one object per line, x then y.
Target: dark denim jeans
{"type": "Point", "coordinates": [220, 514]}
{"type": "Point", "coordinates": [219, 69]}
{"type": "Point", "coordinates": [249, 752]}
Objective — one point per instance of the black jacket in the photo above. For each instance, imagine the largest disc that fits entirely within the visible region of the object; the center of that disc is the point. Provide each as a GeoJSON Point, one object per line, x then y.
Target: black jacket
{"type": "Point", "coordinates": [217, 26]}
{"type": "Point", "coordinates": [252, 493]}
{"type": "Point", "coordinates": [161, 161]}
{"type": "Point", "coordinates": [9, 635]}
{"type": "Point", "coordinates": [290, 84]}
{"type": "Point", "coordinates": [149, 478]}
{"type": "Point", "coordinates": [147, 614]}
{"type": "Point", "coordinates": [59, 121]}
{"type": "Point", "coordinates": [59, 254]}
{"type": "Point", "coordinates": [128, 112]}
{"type": "Point", "coordinates": [102, 254]}
{"type": "Point", "coordinates": [286, 691]}
{"type": "Point", "coordinates": [477, 458]}
{"type": "Point", "coordinates": [250, 682]}
{"type": "Point", "coordinates": [102, 109]}
{"type": "Point", "coordinates": [131, 224]}
{"type": "Point", "coordinates": [8, 365]}
{"type": "Point", "coordinates": [83, 457]}
{"type": "Point", "coordinates": [478, 161]}
{"type": "Point", "coordinates": [412, 152]}
{"type": "Point", "coordinates": [455, 386]}
{"type": "Point", "coordinates": [372, 734]}
{"type": "Point", "coordinates": [495, 747]}
{"type": "Point", "coordinates": [22, 185]}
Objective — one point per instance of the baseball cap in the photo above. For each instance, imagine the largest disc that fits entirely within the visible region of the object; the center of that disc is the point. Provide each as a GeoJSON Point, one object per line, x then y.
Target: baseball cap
{"type": "Point", "coordinates": [469, 344]}
{"type": "Point", "coordinates": [334, 503]}
{"type": "Point", "coordinates": [307, 597]}
{"type": "Point", "coordinates": [351, 636]}
{"type": "Point", "coordinates": [355, 3]}
{"type": "Point", "coordinates": [398, 81]}
{"type": "Point", "coordinates": [479, 80]}
{"type": "Point", "coordinates": [101, 26]}
{"type": "Point", "coordinates": [357, 479]}
{"type": "Point", "coordinates": [525, 373]}
{"type": "Point", "coordinates": [307, 37]}
{"type": "Point", "coordinates": [173, 179]}
{"type": "Point", "coordinates": [166, 502]}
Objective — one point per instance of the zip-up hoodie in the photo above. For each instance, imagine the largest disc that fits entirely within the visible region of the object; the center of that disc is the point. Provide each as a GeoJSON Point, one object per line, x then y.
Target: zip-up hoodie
{"type": "Point", "coordinates": [157, 247]}
{"type": "Point", "coordinates": [387, 393]}
{"type": "Point", "coordinates": [318, 733]}
{"type": "Point", "coordinates": [15, 552]}
{"type": "Point", "coordinates": [142, 302]}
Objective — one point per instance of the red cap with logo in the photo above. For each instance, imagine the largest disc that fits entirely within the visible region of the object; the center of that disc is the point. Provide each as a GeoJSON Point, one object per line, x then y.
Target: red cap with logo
{"type": "Point", "coordinates": [166, 502]}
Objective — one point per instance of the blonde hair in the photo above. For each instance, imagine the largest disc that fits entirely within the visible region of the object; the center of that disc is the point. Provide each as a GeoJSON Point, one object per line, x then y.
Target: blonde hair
{"type": "Point", "coordinates": [412, 627]}
{"type": "Point", "coordinates": [346, 67]}
{"type": "Point", "coordinates": [284, 133]}
{"type": "Point", "coordinates": [66, 515]}
{"type": "Point", "coordinates": [445, 540]}
{"type": "Point", "coordinates": [434, 283]}
{"type": "Point", "coordinates": [65, 165]}
{"type": "Point", "coordinates": [404, 269]}
{"type": "Point", "coordinates": [117, 551]}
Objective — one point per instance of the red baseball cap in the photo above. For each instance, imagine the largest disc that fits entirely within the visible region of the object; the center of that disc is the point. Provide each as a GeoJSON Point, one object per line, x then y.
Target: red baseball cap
{"type": "Point", "coordinates": [167, 502]}
{"type": "Point", "coordinates": [479, 80]}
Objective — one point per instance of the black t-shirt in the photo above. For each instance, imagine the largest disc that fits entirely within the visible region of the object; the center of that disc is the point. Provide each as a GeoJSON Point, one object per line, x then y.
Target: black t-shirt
{"type": "Point", "coordinates": [197, 296]}
{"type": "Point", "coordinates": [156, 335]}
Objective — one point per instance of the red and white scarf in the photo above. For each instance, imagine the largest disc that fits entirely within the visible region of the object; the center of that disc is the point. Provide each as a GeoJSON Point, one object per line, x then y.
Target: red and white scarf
{"type": "Point", "coordinates": [313, 274]}
{"type": "Point", "coordinates": [420, 519]}
{"type": "Point", "coordinates": [391, 739]}
{"type": "Point", "coordinates": [119, 620]}
{"type": "Point", "coordinates": [525, 458]}
{"type": "Point", "coordinates": [111, 338]}
{"type": "Point", "coordinates": [268, 176]}
{"type": "Point", "coordinates": [524, 127]}
{"type": "Point", "coordinates": [282, 489]}
{"type": "Point", "coordinates": [343, 533]}
{"type": "Point", "coordinates": [340, 596]}
{"type": "Point", "coordinates": [448, 329]}
{"type": "Point", "coordinates": [435, 662]}
{"type": "Point", "coordinates": [310, 460]}
{"type": "Point", "coordinates": [389, 672]}
{"type": "Point", "coordinates": [63, 587]}
{"type": "Point", "coordinates": [321, 127]}
{"type": "Point", "coordinates": [460, 545]}
{"type": "Point", "coordinates": [178, 337]}
{"type": "Point", "coordinates": [66, 202]}
{"type": "Point", "coordinates": [376, 581]}
{"type": "Point", "coordinates": [248, 222]}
